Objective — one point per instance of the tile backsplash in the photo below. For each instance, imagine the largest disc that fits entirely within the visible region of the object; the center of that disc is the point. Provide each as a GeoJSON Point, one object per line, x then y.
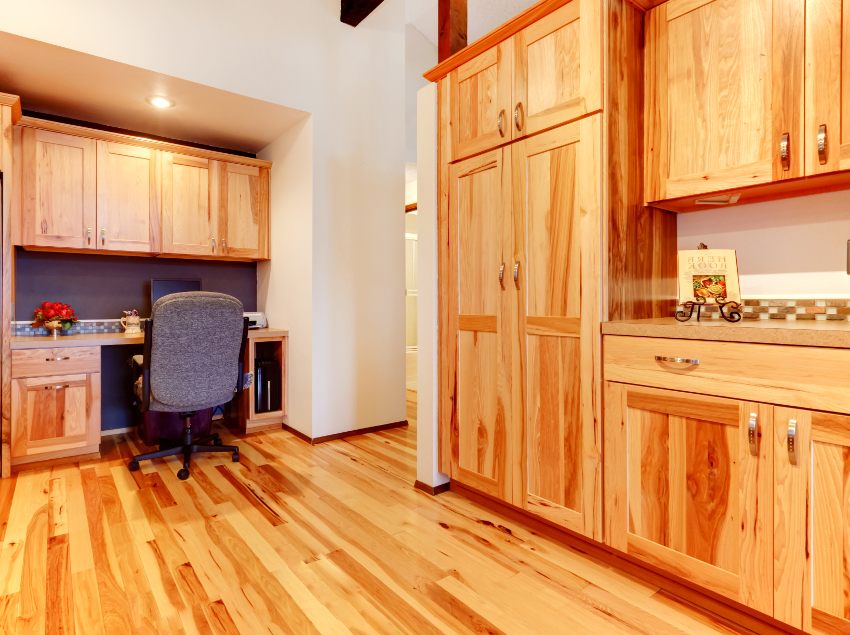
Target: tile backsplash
{"type": "Point", "coordinates": [788, 310]}
{"type": "Point", "coordinates": [25, 328]}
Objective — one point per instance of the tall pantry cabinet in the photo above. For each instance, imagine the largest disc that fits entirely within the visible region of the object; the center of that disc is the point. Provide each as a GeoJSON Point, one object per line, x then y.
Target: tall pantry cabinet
{"type": "Point", "coordinates": [540, 184]}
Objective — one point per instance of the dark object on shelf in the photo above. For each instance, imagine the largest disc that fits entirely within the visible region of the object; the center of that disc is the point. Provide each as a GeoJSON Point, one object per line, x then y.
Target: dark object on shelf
{"type": "Point", "coordinates": [687, 311]}
{"type": "Point", "coordinates": [267, 397]}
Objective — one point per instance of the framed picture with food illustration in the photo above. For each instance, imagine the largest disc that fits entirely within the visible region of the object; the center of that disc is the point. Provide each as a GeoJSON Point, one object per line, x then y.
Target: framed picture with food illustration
{"type": "Point", "coordinates": [708, 276]}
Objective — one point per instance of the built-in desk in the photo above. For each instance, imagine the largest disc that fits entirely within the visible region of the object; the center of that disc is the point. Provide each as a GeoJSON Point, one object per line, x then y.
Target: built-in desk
{"type": "Point", "coordinates": [56, 391]}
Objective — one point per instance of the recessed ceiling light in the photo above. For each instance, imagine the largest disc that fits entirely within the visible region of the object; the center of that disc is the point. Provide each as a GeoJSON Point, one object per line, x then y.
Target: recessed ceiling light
{"type": "Point", "coordinates": [158, 101]}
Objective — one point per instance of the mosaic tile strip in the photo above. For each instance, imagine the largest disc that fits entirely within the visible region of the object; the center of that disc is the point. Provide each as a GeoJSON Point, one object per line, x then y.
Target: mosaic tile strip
{"type": "Point", "coordinates": [812, 310]}
{"type": "Point", "coordinates": [25, 328]}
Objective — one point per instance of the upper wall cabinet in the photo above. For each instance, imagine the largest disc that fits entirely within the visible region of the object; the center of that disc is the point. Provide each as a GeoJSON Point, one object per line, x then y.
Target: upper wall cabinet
{"type": "Point", "coordinates": [243, 192]}
{"type": "Point", "coordinates": [92, 190]}
{"type": "Point", "coordinates": [723, 94]}
{"type": "Point", "coordinates": [59, 197]}
{"type": "Point", "coordinates": [189, 224]}
{"type": "Point", "coordinates": [127, 198]}
{"type": "Point", "coordinates": [545, 75]}
{"type": "Point", "coordinates": [558, 68]}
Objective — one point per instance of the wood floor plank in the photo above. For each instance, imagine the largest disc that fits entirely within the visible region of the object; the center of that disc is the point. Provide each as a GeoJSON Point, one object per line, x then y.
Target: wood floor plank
{"type": "Point", "coordinates": [296, 538]}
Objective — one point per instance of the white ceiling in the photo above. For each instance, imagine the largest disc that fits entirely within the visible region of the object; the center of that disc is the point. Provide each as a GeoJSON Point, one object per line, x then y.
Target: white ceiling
{"type": "Point", "coordinates": [59, 81]}
{"type": "Point", "coordinates": [482, 16]}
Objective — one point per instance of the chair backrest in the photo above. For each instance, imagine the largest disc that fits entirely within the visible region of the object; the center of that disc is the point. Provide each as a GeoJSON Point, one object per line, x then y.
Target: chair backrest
{"type": "Point", "coordinates": [195, 349]}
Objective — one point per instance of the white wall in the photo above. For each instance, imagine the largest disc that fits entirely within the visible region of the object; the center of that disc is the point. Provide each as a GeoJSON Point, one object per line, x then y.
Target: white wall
{"type": "Point", "coordinates": [297, 54]}
{"type": "Point", "coordinates": [420, 54]}
{"type": "Point", "coordinates": [792, 248]}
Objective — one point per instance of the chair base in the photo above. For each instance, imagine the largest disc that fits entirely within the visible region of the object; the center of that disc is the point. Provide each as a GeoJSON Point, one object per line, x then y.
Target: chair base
{"type": "Point", "coordinates": [186, 449]}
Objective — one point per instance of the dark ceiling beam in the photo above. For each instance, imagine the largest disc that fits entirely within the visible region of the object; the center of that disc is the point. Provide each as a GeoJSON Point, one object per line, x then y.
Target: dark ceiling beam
{"type": "Point", "coordinates": [353, 12]}
{"type": "Point", "coordinates": [451, 20]}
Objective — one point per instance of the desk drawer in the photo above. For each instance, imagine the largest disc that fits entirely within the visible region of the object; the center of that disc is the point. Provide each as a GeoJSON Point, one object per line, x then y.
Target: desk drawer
{"type": "Point", "coordinates": [802, 376]}
{"type": "Point", "coordinates": [39, 362]}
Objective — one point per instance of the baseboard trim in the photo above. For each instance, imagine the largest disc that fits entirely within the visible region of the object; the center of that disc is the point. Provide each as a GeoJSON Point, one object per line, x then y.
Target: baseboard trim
{"type": "Point", "coordinates": [343, 435]}
{"type": "Point", "coordinates": [113, 431]}
{"type": "Point", "coordinates": [726, 611]}
{"type": "Point", "coordinates": [431, 489]}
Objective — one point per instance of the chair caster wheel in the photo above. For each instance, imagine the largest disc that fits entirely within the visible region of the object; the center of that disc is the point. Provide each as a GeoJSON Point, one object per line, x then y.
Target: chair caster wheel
{"type": "Point", "coordinates": [216, 441]}
{"type": "Point", "coordinates": [133, 466]}
{"type": "Point", "coordinates": [182, 473]}
{"type": "Point", "coordinates": [236, 457]}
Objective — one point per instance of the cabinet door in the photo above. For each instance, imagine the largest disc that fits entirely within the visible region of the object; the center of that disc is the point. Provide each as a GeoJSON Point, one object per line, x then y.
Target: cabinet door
{"type": "Point", "coordinates": [812, 520]}
{"type": "Point", "coordinates": [189, 225]}
{"type": "Point", "coordinates": [558, 62]}
{"type": "Point", "coordinates": [479, 321]}
{"type": "Point", "coordinates": [556, 187]}
{"type": "Point", "coordinates": [481, 101]}
{"type": "Point", "coordinates": [827, 86]}
{"type": "Point", "coordinates": [58, 179]}
{"type": "Point", "coordinates": [724, 84]}
{"type": "Point", "coordinates": [55, 416]}
{"type": "Point", "coordinates": [127, 198]}
{"type": "Point", "coordinates": [243, 192]}
{"type": "Point", "coordinates": [688, 492]}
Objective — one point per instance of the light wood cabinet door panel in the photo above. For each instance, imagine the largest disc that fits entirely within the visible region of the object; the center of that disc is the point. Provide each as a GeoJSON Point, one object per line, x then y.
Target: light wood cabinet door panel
{"type": "Point", "coordinates": [55, 416]}
{"type": "Point", "coordinates": [827, 85]}
{"type": "Point", "coordinates": [481, 108]}
{"type": "Point", "coordinates": [724, 83]}
{"type": "Point", "coordinates": [479, 310]}
{"type": "Point", "coordinates": [58, 178]}
{"type": "Point", "coordinates": [243, 202]}
{"type": "Point", "coordinates": [189, 224]}
{"type": "Point", "coordinates": [558, 68]}
{"type": "Point", "coordinates": [686, 490]}
{"type": "Point", "coordinates": [556, 187]}
{"type": "Point", "coordinates": [812, 520]}
{"type": "Point", "coordinates": [128, 196]}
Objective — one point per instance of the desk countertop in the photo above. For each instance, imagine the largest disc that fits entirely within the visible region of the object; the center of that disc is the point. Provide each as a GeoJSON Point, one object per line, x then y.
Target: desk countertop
{"type": "Point", "coordinates": [23, 342]}
{"type": "Point", "coordinates": [829, 334]}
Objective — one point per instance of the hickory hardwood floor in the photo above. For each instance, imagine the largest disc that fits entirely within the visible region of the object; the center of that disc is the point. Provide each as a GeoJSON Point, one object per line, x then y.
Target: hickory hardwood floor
{"type": "Point", "coordinates": [294, 539]}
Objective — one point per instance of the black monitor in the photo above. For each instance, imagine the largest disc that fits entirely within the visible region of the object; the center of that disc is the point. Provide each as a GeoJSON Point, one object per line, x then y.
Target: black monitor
{"type": "Point", "coordinates": [164, 286]}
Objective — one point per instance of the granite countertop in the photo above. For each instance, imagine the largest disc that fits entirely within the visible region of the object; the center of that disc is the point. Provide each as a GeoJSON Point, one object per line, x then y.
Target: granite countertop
{"type": "Point", "coordinates": [23, 342]}
{"type": "Point", "coordinates": [829, 334]}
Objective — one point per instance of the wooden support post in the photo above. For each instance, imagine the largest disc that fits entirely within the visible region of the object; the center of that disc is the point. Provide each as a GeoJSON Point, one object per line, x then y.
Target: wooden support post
{"type": "Point", "coordinates": [452, 28]}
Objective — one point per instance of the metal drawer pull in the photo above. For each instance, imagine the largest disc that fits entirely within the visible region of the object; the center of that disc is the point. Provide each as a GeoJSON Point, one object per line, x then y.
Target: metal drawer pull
{"type": "Point", "coordinates": [792, 441]}
{"type": "Point", "coordinates": [752, 433]}
{"type": "Point", "coordinates": [519, 116]}
{"type": "Point", "coordinates": [103, 235]}
{"type": "Point", "coordinates": [88, 235]}
{"type": "Point", "coordinates": [677, 360]}
{"type": "Point", "coordinates": [823, 144]}
{"type": "Point", "coordinates": [502, 276]}
{"type": "Point", "coordinates": [501, 122]}
{"type": "Point", "coordinates": [57, 387]}
{"type": "Point", "coordinates": [516, 274]}
{"type": "Point", "coordinates": [56, 359]}
{"type": "Point", "coordinates": [785, 151]}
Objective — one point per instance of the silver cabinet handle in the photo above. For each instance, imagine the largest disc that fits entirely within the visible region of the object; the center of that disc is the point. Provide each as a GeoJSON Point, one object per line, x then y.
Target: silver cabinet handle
{"type": "Point", "coordinates": [57, 387]}
{"type": "Point", "coordinates": [519, 116]}
{"type": "Point", "coordinates": [501, 122]}
{"type": "Point", "coordinates": [785, 151]}
{"type": "Point", "coordinates": [690, 361]}
{"type": "Point", "coordinates": [792, 441]}
{"type": "Point", "coordinates": [502, 276]}
{"type": "Point", "coordinates": [88, 235]}
{"type": "Point", "coordinates": [212, 240]}
{"type": "Point", "coordinates": [56, 359]}
{"type": "Point", "coordinates": [752, 433]}
{"type": "Point", "coordinates": [223, 243]}
{"type": "Point", "coordinates": [103, 235]}
{"type": "Point", "coordinates": [516, 274]}
{"type": "Point", "coordinates": [823, 144]}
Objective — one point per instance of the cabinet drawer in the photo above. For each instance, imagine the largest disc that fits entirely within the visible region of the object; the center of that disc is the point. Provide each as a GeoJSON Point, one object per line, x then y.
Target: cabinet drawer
{"type": "Point", "coordinates": [807, 377]}
{"type": "Point", "coordinates": [38, 362]}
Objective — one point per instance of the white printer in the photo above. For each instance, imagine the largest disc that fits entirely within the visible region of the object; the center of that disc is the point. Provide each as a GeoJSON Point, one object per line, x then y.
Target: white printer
{"type": "Point", "coordinates": [256, 320]}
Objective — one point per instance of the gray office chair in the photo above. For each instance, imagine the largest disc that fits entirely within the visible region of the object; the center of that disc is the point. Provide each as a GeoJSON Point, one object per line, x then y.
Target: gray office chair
{"type": "Point", "coordinates": [194, 346]}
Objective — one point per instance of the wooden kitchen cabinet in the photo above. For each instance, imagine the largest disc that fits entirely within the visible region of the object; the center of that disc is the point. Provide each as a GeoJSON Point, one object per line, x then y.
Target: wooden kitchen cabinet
{"type": "Point", "coordinates": [481, 105]}
{"type": "Point", "coordinates": [479, 306]}
{"type": "Point", "coordinates": [557, 225]}
{"type": "Point", "coordinates": [243, 204]}
{"type": "Point", "coordinates": [189, 224]}
{"type": "Point", "coordinates": [558, 68]}
{"type": "Point", "coordinates": [724, 89]}
{"type": "Point", "coordinates": [689, 490]}
{"type": "Point", "coordinates": [128, 194]}
{"type": "Point", "coordinates": [59, 197]}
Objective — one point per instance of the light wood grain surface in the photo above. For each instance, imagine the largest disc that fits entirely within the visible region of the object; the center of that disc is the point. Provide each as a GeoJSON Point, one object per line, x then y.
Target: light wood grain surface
{"type": "Point", "coordinates": [830, 334]}
{"type": "Point", "coordinates": [296, 539]}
